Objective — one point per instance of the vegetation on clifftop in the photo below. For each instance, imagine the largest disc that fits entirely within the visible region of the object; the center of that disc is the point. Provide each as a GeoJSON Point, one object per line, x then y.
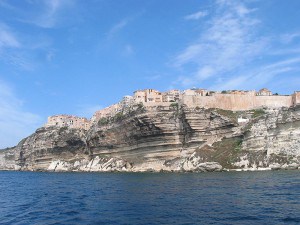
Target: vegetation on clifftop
{"type": "Point", "coordinates": [119, 116]}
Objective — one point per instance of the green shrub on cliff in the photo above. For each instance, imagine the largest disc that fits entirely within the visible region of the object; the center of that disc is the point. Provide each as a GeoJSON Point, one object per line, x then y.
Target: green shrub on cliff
{"type": "Point", "coordinates": [140, 105]}
{"type": "Point", "coordinates": [103, 121]}
{"type": "Point", "coordinates": [258, 113]}
{"type": "Point", "coordinates": [174, 105]}
{"type": "Point", "coordinates": [228, 113]}
{"type": "Point", "coordinates": [118, 117]}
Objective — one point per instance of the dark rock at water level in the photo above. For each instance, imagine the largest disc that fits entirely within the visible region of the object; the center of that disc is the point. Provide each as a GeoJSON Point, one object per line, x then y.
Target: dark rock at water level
{"type": "Point", "coordinates": [166, 138]}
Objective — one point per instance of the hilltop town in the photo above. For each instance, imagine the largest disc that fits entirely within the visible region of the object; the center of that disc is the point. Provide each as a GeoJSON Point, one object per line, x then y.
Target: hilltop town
{"type": "Point", "coordinates": [175, 131]}
{"type": "Point", "coordinates": [235, 100]}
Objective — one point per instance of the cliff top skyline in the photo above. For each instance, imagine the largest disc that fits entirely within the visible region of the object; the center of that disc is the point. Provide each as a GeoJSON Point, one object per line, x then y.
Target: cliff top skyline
{"type": "Point", "coordinates": [76, 57]}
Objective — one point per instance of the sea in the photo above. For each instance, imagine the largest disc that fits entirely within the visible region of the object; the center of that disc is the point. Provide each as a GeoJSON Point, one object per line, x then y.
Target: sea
{"type": "Point", "coordinates": [264, 197]}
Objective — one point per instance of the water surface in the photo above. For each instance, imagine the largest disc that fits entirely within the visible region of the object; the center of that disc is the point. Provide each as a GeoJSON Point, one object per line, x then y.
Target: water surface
{"type": "Point", "coordinates": [270, 197]}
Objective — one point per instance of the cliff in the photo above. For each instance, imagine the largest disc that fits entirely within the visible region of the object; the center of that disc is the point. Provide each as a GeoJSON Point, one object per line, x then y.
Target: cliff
{"type": "Point", "coordinates": [165, 138]}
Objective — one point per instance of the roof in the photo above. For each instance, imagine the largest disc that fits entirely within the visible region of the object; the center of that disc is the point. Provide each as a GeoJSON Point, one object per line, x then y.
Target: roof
{"type": "Point", "coordinates": [264, 90]}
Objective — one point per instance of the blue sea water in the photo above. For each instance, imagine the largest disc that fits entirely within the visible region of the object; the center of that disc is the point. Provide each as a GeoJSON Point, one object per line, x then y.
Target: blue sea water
{"type": "Point", "coordinates": [271, 197]}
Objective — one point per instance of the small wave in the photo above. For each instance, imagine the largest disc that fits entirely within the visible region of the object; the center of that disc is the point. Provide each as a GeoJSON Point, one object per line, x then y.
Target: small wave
{"type": "Point", "coordinates": [243, 218]}
{"type": "Point", "coordinates": [291, 219]}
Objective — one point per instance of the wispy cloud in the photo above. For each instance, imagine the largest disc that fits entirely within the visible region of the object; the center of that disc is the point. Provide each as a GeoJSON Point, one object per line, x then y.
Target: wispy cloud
{"type": "Point", "coordinates": [196, 16]}
{"type": "Point", "coordinates": [121, 24]}
{"type": "Point", "coordinates": [14, 50]}
{"type": "Point", "coordinates": [5, 4]}
{"type": "Point", "coordinates": [228, 50]}
{"type": "Point", "coordinates": [15, 122]}
{"type": "Point", "coordinates": [258, 78]}
{"type": "Point", "coordinates": [225, 44]}
{"type": "Point", "coordinates": [19, 49]}
{"type": "Point", "coordinates": [290, 37]}
{"type": "Point", "coordinates": [41, 13]}
{"type": "Point", "coordinates": [8, 38]}
{"type": "Point", "coordinates": [11, 48]}
{"type": "Point", "coordinates": [48, 13]}
{"type": "Point", "coordinates": [128, 50]}
{"type": "Point", "coordinates": [117, 28]}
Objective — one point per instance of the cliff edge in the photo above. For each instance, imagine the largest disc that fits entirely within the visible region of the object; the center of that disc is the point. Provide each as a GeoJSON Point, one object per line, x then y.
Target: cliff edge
{"type": "Point", "coordinates": [166, 138]}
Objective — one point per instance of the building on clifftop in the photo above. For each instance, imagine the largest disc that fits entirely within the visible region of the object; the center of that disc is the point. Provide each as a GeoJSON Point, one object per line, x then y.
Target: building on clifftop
{"type": "Point", "coordinates": [190, 92]}
{"type": "Point", "coordinates": [147, 95]}
{"type": "Point", "coordinates": [127, 101]}
{"type": "Point", "coordinates": [139, 96]}
{"type": "Point", "coordinates": [68, 121]}
{"type": "Point", "coordinates": [171, 96]}
{"type": "Point", "coordinates": [106, 112]}
{"type": "Point", "coordinates": [202, 92]}
{"type": "Point", "coordinates": [264, 92]}
{"type": "Point", "coordinates": [296, 98]}
{"type": "Point", "coordinates": [199, 92]}
{"type": "Point", "coordinates": [239, 92]}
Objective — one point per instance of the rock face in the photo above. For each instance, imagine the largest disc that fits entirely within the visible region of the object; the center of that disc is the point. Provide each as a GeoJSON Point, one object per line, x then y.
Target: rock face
{"type": "Point", "coordinates": [173, 138]}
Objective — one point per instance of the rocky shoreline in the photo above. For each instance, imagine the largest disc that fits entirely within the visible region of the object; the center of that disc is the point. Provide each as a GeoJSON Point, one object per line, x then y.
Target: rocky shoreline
{"type": "Point", "coordinates": [288, 168]}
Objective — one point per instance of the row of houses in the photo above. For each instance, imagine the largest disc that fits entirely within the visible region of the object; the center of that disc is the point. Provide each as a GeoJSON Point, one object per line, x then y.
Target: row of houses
{"type": "Point", "coordinates": [151, 95]}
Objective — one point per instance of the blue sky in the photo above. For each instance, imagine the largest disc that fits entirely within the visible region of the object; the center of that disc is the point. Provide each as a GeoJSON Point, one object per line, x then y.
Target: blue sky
{"type": "Point", "coordinates": [75, 57]}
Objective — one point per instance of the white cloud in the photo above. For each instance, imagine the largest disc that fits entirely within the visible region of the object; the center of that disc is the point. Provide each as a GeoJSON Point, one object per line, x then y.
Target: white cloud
{"type": "Point", "coordinates": [49, 18]}
{"type": "Point", "coordinates": [204, 73]}
{"type": "Point", "coordinates": [259, 77]}
{"type": "Point", "coordinates": [196, 16]}
{"type": "Point", "coordinates": [48, 14]}
{"type": "Point", "coordinates": [289, 37]}
{"type": "Point", "coordinates": [232, 83]}
{"type": "Point", "coordinates": [226, 43]}
{"type": "Point", "coordinates": [7, 38]}
{"type": "Point", "coordinates": [230, 51]}
{"type": "Point", "coordinates": [11, 49]}
{"type": "Point", "coordinates": [282, 63]}
{"type": "Point", "coordinates": [19, 50]}
{"type": "Point", "coordinates": [286, 51]}
{"type": "Point", "coordinates": [117, 28]}
{"type": "Point", "coordinates": [190, 54]}
{"type": "Point", "coordinates": [5, 4]}
{"type": "Point", "coordinates": [15, 122]}
{"type": "Point", "coordinates": [17, 59]}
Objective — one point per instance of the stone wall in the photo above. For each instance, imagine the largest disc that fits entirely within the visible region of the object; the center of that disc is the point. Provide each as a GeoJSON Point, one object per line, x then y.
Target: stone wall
{"type": "Point", "coordinates": [273, 101]}
{"type": "Point", "coordinates": [237, 102]}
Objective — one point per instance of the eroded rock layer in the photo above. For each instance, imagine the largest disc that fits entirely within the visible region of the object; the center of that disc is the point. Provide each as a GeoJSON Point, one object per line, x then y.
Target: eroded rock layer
{"type": "Point", "coordinates": [169, 138]}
